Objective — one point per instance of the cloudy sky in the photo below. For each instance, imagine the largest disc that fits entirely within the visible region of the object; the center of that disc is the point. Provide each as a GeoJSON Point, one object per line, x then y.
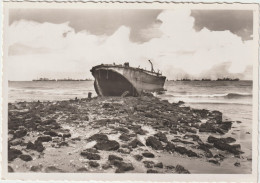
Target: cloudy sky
{"type": "Point", "coordinates": [61, 43]}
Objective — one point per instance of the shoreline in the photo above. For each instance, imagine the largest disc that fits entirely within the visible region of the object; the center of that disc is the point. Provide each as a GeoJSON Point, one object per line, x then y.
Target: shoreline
{"type": "Point", "coordinates": [113, 134]}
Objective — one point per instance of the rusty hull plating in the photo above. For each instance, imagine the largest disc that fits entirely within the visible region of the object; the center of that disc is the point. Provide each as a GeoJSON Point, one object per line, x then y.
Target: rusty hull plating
{"type": "Point", "coordinates": [123, 80]}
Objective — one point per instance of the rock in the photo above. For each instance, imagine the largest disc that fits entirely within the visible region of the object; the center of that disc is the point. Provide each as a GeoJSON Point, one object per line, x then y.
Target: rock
{"type": "Point", "coordinates": [217, 115]}
{"type": "Point", "coordinates": [51, 133]}
{"type": "Point", "coordinates": [90, 156]}
{"type": "Point", "coordinates": [66, 135]}
{"type": "Point", "coordinates": [148, 155]}
{"type": "Point", "coordinates": [205, 148]}
{"type": "Point", "coordinates": [181, 170]}
{"type": "Point", "coordinates": [109, 145]}
{"type": "Point", "coordinates": [216, 162]}
{"type": "Point", "coordinates": [16, 142]}
{"type": "Point", "coordinates": [226, 125]}
{"type": "Point", "coordinates": [154, 143]}
{"type": "Point", "coordinates": [228, 140]}
{"type": "Point", "coordinates": [37, 168]}
{"type": "Point", "coordinates": [237, 164]}
{"type": "Point", "coordinates": [20, 133]}
{"type": "Point", "coordinates": [123, 167]}
{"type": "Point", "coordinates": [161, 136]}
{"type": "Point", "coordinates": [93, 164]}
{"type": "Point", "coordinates": [44, 138]}
{"type": "Point", "coordinates": [10, 169]}
{"type": "Point", "coordinates": [170, 147]}
{"type": "Point", "coordinates": [38, 146]}
{"type": "Point", "coordinates": [152, 171]}
{"type": "Point", "coordinates": [183, 150]}
{"type": "Point", "coordinates": [135, 143]}
{"type": "Point", "coordinates": [52, 169]}
{"type": "Point", "coordinates": [226, 147]}
{"type": "Point", "coordinates": [170, 167]}
{"type": "Point", "coordinates": [124, 151]}
{"type": "Point", "coordinates": [138, 157]}
{"type": "Point", "coordinates": [98, 137]}
{"type": "Point", "coordinates": [25, 157]}
{"type": "Point", "coordinates": [13, 154]}
{"type": "Point", "coordinates": [91, 150]}
{"type": "Point", "coordinates": [148, 164]}
{"type": "Point", "coordinates": [159, 165]}
{"type": "Point", "coordinates": [114, 157]}
{"type": "Point", "coordinates": [63, 144]}
{"type": "Point", "coordinates": [83, 169]}
{"type": "Point", "coordinates": [124, 137]}
{"type": "Point", "coordinates": [106, 166]}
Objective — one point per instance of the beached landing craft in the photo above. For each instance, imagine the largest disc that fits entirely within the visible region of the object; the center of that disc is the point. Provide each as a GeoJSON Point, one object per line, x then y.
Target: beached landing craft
{"type": "Point", "coordinates": [123, 80]}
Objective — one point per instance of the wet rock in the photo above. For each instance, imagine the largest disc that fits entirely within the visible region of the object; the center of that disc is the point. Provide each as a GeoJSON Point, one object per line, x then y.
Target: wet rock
{"type": "Point", "coordinates": [90, 156]}
{"type": "Point", "coordinates": [13, 154]}
{"type": "Point", "coordinates": [52, 169]}
{"type": "Point", "coordinates": [51, 133]}
{"type": "Point", "coordinates": [98, 137]}
{"type": "Point", "coordinates": [20, 133]}
{"type": "Point", "coordinates": [205, 148]}
{"type": "Point", "coordinates": [124, 137]}
{"type": "Point", "coordinates": [106, 166]}
{"type": "Point", "coordinates": [170, 147]}
{"type": "Point", "coordinates": [122, 166]}
{"type": "Point", "coordinates": [37, 146]}
{"type": "Point", "coordinates": [152, 171]}
{"type": "Point", "coordinates": [134, 143]}
{"type": "Point", "coordinates": [16, 142]}
{"type": "Point", "coordinates": [82, 169]}
{"type": "Point", "coordinates": [63, 144]}
{"type": "Point", "coordinates": [181, 141]}
{"type": "Point", "coordinates": [37, 168]}
{"type": "Point", "coordinates": [181, 170]}
{"type": "Point", "coordinates": [154, 143]}
{"type": "Point", "coordinates": [124, 150]}
{"type": "Point", "coordinates": [44, 138]}
{"type": "Point", "coordinates": [237, 164]}
{"type": "Point", "coordinates": [114, 157]}
{"type": "Point", "coordinates": [217, 115]}
{"type": "Point", "coordinates": [10, 169]}
{"type": "Point", "coordinates": [148, 164]}
{"type": "Point", "coordinates": [183, 150]}
{"type": "Point", "coordinates": [66, 135]}
{"type": "Point", "coordinates": [226, 147]}
{"type": "Point", "coordinates": [138, 157]}
{"type": "Point", "coordinates": [148, 155]}
{"type": "Point", "coordinates": [228, 140]}
{"type": "Point", "coordinates": [226, 125]}
{"type": "Point", "coordinates": [109, 145]}
{"type": "Point", "coordinates": [159, 165]}
{"type": "Point", "coordinates": [161, 136]}
{"type": "Point", "coordinates": [214, 161]}
{"type": "Point", "coordinates": [93, 164]}
{"type": "Point", "coordinates": [25, 157]}
{"type": "Point", "coordinates": [91, 150]}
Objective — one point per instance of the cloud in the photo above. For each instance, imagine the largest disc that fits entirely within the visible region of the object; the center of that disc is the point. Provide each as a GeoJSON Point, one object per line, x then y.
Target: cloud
{"type": "Point", "coordinates": [178, 51]}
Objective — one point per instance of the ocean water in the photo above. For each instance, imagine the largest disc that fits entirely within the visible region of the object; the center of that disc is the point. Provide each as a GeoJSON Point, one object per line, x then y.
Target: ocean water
{"type": "Point", "coordinates": [232, 98]}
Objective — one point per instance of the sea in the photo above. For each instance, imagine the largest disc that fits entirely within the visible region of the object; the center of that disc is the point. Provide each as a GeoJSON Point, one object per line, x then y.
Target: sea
{"type": "Point", "coordinates": [233, 98]}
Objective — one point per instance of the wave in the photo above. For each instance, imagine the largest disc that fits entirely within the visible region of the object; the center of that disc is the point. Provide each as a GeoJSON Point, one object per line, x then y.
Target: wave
{"type": "Point", "coordinates": [225, 95]}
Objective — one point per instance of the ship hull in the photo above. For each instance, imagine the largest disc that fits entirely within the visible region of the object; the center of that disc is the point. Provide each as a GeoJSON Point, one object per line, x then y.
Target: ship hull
{"type": "Point", "coordinates": [118, 81]}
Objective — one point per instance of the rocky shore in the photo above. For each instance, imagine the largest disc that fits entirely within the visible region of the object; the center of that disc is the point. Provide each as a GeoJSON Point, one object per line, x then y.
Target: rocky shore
{"type": "Point", "coordinates": [114, 134]}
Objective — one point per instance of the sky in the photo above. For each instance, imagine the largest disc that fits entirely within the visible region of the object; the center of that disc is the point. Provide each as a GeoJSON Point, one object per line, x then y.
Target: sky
{"type": "Point", "coordinates": [196, 44]}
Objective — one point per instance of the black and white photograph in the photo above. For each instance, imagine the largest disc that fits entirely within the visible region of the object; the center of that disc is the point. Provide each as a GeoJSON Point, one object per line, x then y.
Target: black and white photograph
{"type": "Point", "coordinates": [162, 90]}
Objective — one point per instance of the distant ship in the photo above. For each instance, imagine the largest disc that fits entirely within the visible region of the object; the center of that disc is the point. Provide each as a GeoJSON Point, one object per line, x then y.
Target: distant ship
{"type": "Point", "coordinates": [227, 79]}
{"type": "Point", "coordinates": [123, 80]}
{"type": "Point", "coordinates": [68, 79]}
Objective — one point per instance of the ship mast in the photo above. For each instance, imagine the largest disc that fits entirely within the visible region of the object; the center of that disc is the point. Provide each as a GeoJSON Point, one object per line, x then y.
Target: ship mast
{"type": "Point", "coordinates": [151, 65]}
